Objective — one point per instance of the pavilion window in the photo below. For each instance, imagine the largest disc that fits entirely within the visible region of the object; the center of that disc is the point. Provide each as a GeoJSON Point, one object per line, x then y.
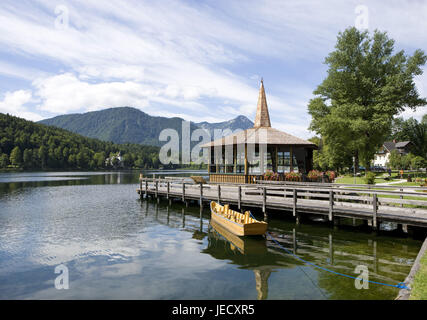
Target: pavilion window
{"type": "Point", "coordinates": [284, 162]}
{"type": "Point", "coordinates": [254, 161]}
{"type": "Point", "coordinates": [268, 161]}
{"type": "Point", "coordinates": [240, 161]}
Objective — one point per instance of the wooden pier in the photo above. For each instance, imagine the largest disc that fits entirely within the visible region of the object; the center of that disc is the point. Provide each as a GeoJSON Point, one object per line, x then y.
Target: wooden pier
{"type": "Point", "coordinates": [331, 201]}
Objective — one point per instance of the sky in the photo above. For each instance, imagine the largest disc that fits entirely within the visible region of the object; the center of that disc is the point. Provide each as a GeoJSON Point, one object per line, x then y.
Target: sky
{"type": "Point", "coordinates": [199, 60]}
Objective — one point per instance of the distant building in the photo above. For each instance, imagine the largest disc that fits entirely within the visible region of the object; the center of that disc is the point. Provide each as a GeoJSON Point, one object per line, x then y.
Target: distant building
{"type": "Point", "coordinates": [110, 161]}
{"type": "Point", "coordinates": [383, 154]}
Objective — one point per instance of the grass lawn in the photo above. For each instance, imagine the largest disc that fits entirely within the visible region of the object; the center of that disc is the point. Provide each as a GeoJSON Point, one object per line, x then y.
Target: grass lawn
{"type": "Point", "coordinates": [419, 287]}
{"type": "Point", "coordinates": [350, 180]}
{"type": "Point", "coordinates": [361, 180]}
{"type": "Point", "coordinates": [405, 198]}
{"type": "Point", "coordinates": [410, 184]}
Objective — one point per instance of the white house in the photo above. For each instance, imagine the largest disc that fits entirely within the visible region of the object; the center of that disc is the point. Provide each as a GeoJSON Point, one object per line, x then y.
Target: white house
{"type": "Point", "coordinates": [383, 154]}
{"type": "Point", "coordinates": [109, 161]}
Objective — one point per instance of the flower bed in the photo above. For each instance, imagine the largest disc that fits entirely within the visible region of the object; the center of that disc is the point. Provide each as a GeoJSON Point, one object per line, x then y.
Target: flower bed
{"type": "Point", "coordinates": [314, 175]}
{"type": "Point", "coordinates": [293, 176]}
{"type": "Point", "coordinates": [271, 176]}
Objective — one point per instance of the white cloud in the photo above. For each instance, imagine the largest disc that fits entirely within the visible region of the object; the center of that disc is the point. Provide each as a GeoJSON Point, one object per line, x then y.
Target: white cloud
{"type": "Point", "coordinates": [14, 104]}
{"type": "Point", "coordinates": [66, 93]}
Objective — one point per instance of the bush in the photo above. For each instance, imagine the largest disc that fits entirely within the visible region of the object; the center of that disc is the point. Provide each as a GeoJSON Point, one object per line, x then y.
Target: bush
{"type": "Point", "coordinates": [370, 178]}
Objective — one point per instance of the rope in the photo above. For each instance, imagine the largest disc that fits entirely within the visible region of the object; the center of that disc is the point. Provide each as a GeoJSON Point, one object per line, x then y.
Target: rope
{"type": "Point", "coordinates": [400, 285]}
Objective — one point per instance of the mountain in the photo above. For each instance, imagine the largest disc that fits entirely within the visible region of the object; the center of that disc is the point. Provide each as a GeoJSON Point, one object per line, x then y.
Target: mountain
{"type": "Point", "coordinates": [241, 122]}
{"type": "Point", "coordinates": [130, 125]}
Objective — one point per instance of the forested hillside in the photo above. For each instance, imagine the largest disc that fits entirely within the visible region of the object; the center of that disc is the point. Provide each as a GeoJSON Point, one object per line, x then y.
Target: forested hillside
{"type": "Point", "coordinates": [29, 145]}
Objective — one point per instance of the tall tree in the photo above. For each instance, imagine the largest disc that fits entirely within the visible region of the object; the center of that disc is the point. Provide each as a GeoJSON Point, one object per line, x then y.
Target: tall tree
{"type": "Point", "coordinates": [411, 130]}
{"type": "Point", "coordinates": [27, 158]}
{"type": "Point", "coordinates": [4, 160]}
{"type": "Point", "coordinates": [366, 86]}
{"type": "Point", "coordinates": [16, 156]}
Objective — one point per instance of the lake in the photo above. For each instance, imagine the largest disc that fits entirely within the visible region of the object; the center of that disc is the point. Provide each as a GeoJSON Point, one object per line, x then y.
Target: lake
{"type": "Point", "coordinates": [116, 246]}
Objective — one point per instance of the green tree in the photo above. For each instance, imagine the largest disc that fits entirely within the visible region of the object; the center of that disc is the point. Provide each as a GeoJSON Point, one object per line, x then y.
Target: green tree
{"type": "Point", "coordinates": [99, 159]}
{"type": "Point", "coordinates": [406, 161]}
{"type": "Point", "coordinates": [418, 162]}
{"type": "Point", "coordinates": [4, 160]}
{"type": "Point", "coordinates": [127, 160]}
{"type": "Point", "coordinates": [366, 86]}
{"type": "Point", "coordinates": [27, 158]}
{"type": "Point", "coordinates": [411, 130]}
{"type": "Point", "coordinates": [43, 156]}
{"type": "Point", "coordinates": [394, 160]}
{"type": "Point", "coordinates": [139, 163]}
{"type": "Point", "coordinates": [16, 157]}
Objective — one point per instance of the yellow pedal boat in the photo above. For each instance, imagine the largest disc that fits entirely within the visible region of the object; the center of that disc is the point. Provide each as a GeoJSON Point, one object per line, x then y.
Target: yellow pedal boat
{"type": "Point", "coordinates": [238, 223]}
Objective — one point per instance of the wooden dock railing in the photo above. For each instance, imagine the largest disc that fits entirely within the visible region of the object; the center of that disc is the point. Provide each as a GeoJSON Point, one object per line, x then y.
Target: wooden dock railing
{"type": "Point", "coordinates": [330, 200]}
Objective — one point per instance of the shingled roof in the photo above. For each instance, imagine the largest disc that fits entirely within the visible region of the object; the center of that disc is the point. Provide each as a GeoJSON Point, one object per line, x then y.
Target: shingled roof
{"type": "Point", "coordinates": [390, 145]}
{"type": "Point", "coordinates": [262, 132]}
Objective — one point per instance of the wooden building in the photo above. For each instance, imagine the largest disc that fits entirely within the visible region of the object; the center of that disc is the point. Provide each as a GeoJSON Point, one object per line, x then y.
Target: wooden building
{"type": "Point", "coordinates": [245, 156]}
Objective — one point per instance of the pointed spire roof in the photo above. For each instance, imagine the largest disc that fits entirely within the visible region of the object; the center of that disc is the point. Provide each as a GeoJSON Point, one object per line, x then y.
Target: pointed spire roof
{"type": "Point", "coordinates": [262, 118]}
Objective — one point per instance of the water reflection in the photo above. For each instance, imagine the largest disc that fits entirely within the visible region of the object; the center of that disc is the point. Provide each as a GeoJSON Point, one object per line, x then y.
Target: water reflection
{"type": "Point", "coordinates": [221, 241]}
{"type": "Point", "coordinates": [326, 247]}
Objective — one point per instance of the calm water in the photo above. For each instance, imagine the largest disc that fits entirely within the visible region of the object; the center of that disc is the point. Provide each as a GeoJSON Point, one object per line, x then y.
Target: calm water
{"type": "Point", "coordinates": [117, 247]}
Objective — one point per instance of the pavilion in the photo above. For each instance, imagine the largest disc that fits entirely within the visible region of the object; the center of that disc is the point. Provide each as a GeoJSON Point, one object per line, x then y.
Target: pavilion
{"type": "Point", "coordinates": [245, 156]}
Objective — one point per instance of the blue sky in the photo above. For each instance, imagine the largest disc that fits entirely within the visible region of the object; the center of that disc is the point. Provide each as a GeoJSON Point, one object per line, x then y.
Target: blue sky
{"type": "Point", "coordinates": [199, 60]}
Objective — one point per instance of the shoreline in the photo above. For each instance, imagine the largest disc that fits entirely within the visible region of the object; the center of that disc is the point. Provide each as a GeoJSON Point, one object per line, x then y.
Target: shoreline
{"type": "Point", "coordinates": [405, 294]}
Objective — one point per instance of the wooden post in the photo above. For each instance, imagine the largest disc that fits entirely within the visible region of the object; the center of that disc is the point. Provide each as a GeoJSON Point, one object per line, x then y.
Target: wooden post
{"type": "Point", "coordinates": [291, 155]}
{"type": "Point", "coordinates": [295, 203]}
{"type": "Point", "coordinates": [157, 189]}
{"type": "Point", "coordinates": [246, 159]}
{"type": "Point", "coordinates": [167, 219]}
{"type": "Point", "coordinates": [140, 188]}
{"type": "Point", "coordinates": [331, 205]}
{"type": "Point", "coordinates": [264, 199]}
{"type": "Point", "coordinates": [167, 190]}
{"type": "Point", "coordinates": [201, 195]}
{"type": "Point", "coordinates": [219, 194]}
{"type": "Point", "coordinates": [146, 188]}
{"type": "Point", "coordinates": [277, 160]}
{"type": "Point", "coordinates": [201, 219]}
{"type": "Point", "coordinates": [239, 196]}
{"type": "Point", "coordinates": [183, 192]}
{"type": "Point", "coordinates": [401, 197]}
{"type": "Point", "coordinates": [210, 159]}
{"type": "Point", "coordinates": [294, 240]}
{"type": "Point", "coordinates": [375, 208]}
{"type": "Point", "coordinates": [405, 228]}
{"type": "Point", "coordinates": [183, 217]}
